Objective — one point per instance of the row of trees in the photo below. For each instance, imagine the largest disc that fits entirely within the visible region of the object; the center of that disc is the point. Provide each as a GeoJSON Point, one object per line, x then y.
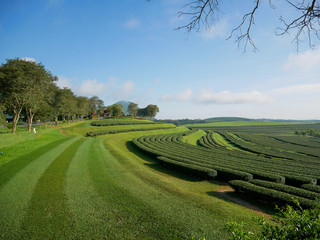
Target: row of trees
{"type": "Point", "coordinates": [116, 110]}
{"type": "Point", "coordinates": [27, 88]}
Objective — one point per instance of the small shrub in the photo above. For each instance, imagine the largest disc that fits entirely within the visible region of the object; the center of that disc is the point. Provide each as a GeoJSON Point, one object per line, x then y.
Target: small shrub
{"type": "Point", "coordinates": [289, 223]}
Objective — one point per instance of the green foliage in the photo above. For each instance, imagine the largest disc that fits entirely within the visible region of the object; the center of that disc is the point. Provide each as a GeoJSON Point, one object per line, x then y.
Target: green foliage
{"type": "Point", "coordinates": [189, 169]}
{"type": "Point", "coordinates": [286, 188]}
{"type": "Point", "coordinates": [271, 195]}
{"type": "Point", "coordinates": [311, 187]}
{"type": "Point", "coordinates": [116, 110]}
{"type": "Point", "coordinates": [2, 115]}
{"type": "Point", "coordinates": [133, 109]}
{"type": "Point", "coordinates": [292, 223]}
{"type": "Point", "coordinates": [96, 106]}
{"type": "Point", "coordinates": [312, 132]}
{"type": "Point", "coordinates": [98, 133]}
{"type": "Point", "coordinates": [23, 84]}
{"type": "Point", "coordinates": [297, 181]}
{"type": "Point", "coordinates": [237, 231]}
{"type": "Point", "coordinates": [119, 122]}
{"type": "Point", "coordinates": [150, 111]}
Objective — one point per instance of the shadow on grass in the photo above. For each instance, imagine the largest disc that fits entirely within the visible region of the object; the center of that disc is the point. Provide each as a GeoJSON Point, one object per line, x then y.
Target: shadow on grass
{"type": "Point", "coordinates": [260, 207]}
{"type": "Point", "coordinates": [153, 163]}
{"type": "Point", "coordinates": [227, 195]}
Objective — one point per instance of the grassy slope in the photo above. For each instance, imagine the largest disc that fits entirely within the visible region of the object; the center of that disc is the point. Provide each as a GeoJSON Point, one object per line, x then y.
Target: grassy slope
{"type": "Point", "coordinates": [97, 188]}
{"type": "Point", "coordinates": [24, 142]}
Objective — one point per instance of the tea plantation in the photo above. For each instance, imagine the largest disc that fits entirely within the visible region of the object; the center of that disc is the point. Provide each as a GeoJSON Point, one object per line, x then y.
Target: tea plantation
{"type": "Point", "coordinates": [60, 184]}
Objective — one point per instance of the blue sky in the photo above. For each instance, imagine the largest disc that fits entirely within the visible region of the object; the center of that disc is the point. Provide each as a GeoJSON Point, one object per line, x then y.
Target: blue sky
{"type": "Point", "coordinates": [130, 50]}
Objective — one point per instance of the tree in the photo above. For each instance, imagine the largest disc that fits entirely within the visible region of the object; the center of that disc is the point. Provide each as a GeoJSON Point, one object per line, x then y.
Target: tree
{"type": "Point", "coordinates": [41, 80]}
{"type": "Point", "coordinates": [83, 106]}
{"type": "Point", "coordinates": [24, 84]}
{"type": "Point", "coordinates": [151, 111]}
{"type": "Point", "coordinates": [64, 103]}
{"type": "Point", "coordinates": [306, 22]}
{"type": "Point", "coordinates": [133, 109]}
{"type": "Point", "coordinates": [116, 110]}
{"type": "Point", "coordinates": [21, 83]}
{"type": "Point", "coordinates": [96, 106]}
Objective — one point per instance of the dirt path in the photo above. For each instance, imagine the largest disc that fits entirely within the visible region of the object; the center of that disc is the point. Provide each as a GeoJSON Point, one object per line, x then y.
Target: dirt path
{"type": "Point", "coordinates": [224, 192]}
{"type": "Point", "coordinates": [61, 129]}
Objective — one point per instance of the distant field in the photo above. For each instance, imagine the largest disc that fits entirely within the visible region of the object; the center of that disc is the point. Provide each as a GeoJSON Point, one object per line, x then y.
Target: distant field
{"type": "Point", "coordinates": [238, 123]}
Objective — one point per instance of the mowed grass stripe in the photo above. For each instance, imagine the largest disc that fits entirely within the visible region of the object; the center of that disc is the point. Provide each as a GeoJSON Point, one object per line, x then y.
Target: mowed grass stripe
{"type": "Point", "coordinates": [48, 216]}
{"type": "Point", "coordinates": [89, 210]}
{"type": "Point", "coordinates": [11, 168]}
{"type": "Point", "coordinates": [16, 194]}
{"type": "Point", "coordinates": [140, 209]}
{"type": "Point", "coordinates": [125, 217]}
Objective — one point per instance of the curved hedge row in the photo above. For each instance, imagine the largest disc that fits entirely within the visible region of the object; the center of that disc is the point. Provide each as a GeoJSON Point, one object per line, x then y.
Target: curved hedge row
{"type": "Point", "coordinates": [189, 169]}
{"type": "Point", "coordinates": [271, 195]}
{"type": "Point", "coordinates": [297, 181]}
{"type": "Point", "coordinates": [173, 153]}
{"type": "Point", "coordinates": [286, 188]}
{"type": "Point", "coordinates": [104, 132]}
{"type": "Point", "coordinates": [310, 187]}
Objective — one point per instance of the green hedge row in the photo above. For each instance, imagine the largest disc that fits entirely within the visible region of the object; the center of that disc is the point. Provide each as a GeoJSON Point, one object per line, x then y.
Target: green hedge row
{"type": "Point", "coordinates": [223, 172]}
{"type": "Point", "coordinates": [314, 188]}
{"type": "Point", "coordinates": [297, 181]}
{"type": "Point", "coordinates": [286, 188]}
{"type": "Point", "coordinates": [268, 177]}
{"type": "Point", "coordinates": [120, 122]}
{"type": "Point", "coordinates": [271, 195]}
{"type": "Point", "coordinates": [189, 169]}
{"type": "Point", "coordinates": [98, 133]}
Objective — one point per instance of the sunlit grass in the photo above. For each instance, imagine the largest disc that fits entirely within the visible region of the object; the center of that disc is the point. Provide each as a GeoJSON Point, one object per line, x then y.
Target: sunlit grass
{"type": "Point", "coordinates": [104, 188]}
{"type": "Point", "coordinates": [194, 137]}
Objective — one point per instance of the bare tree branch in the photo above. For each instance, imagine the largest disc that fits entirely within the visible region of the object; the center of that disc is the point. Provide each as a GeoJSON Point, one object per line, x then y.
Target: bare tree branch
{"type": "Point", "coordinates": [200, 12]}
{"type": "Point", "coordinates": [307, 22]}
{"type": "Point", "coordinates": [246, 36]}
{"type": "Point", "coordinates": [205, 12]}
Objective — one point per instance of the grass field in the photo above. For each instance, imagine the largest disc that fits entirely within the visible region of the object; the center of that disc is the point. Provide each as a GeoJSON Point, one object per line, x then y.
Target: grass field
{"type": "Point", "coordinates": [62, 185]}
{"type": "Point", "coordinates": [238, 123]}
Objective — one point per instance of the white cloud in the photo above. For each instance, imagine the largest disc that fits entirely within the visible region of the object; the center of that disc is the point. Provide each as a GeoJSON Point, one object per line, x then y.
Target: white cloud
{"type": "Point", "coordinates": [64, 82]}
{"type": "Point", "coordinates": [92, 87]}
{"type": "Point", "coordinates": [217, 30]}
{"type": "Point", "coordinates": [226, 97]}
{"type": "Point", "coordinates": [182, 96]}
{"type": "Point", "coordinates": [185, 95]}
{"type": "Point", "coordinates": [128, 87]}
{"type": "Point", "coordinates": [132, 23]}
{"type": "Point", "coordinates": [206, 96]}
{"type": "Point", "coordinates": [29, 59]}
{"type": "Point", "coordinates": [299, 89]}
{"type": "Point", "coordinates": [305, 61]}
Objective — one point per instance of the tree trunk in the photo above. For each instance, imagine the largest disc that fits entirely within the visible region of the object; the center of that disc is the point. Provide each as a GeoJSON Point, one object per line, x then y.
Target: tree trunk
{"type": "Point", "coordinates": [16, 116]}
{"type": "Point", "coordinates": [30, 119]}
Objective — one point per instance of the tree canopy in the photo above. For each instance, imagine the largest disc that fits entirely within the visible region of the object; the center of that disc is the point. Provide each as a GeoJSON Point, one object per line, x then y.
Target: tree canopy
{"type": "Point", "coordinates": [27, 88]}
{"type": "Point", "coordinates": [23, 85]}
{"type": "Point", "coordinates": [133, 109]}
